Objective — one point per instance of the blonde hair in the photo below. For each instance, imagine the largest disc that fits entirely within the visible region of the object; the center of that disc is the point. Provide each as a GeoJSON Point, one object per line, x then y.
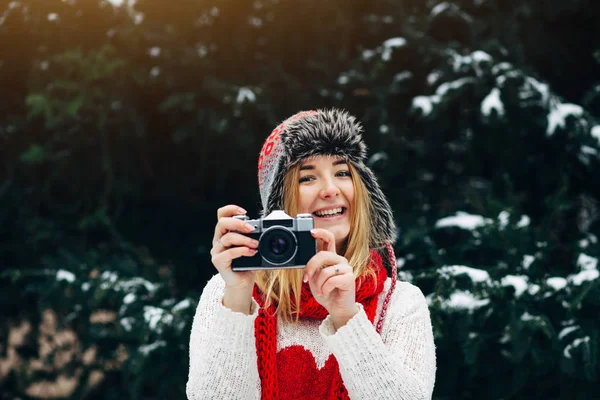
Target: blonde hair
{"type": "Point", "coordinates": [283, 285]}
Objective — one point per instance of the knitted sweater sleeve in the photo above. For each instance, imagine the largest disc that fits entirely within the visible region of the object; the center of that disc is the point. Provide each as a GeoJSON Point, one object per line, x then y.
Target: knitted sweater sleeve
{"type": "Point", "coordinates": [399, 364]}
{"type": "Point", "coordinates": [223, 362]}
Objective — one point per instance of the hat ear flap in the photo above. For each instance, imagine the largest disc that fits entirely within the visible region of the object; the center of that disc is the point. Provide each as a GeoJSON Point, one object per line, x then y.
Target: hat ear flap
{"type": "Point", "coordinates": [274, 200]}
{"type": "Point", "coordinates": [383, 227]}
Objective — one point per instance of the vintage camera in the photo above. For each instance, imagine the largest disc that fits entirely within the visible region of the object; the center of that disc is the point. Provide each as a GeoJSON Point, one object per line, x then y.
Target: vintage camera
{"type": "Point", "coordinates": [284, 242]}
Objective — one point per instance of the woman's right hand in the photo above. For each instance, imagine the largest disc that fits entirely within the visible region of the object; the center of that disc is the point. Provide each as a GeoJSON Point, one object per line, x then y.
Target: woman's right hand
{"type": "Point", "coordinates": [228, 245]}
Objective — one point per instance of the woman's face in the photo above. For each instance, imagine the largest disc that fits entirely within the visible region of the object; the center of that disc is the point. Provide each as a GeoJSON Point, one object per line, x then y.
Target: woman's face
{"type": "Point", "coordinates": [326, 191]}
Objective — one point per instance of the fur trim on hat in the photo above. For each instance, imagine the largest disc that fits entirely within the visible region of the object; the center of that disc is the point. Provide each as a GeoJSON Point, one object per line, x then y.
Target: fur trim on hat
{"type": "Point", "coordinates": [322, 132]}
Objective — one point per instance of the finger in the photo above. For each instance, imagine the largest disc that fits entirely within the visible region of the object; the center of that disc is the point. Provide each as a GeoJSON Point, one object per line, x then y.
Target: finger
{"type": "Point", "coordinates": [319, 261]}
{"type": "Point", "coordinates": [227, 224]}
{"type": "Point", "coordinates": [234, 239]}
{"type": "Point", "coordinates": [343, 282]}
{"type": "Point", "coordinates": [229, 211]}
{"type": "Point", "coordinates": [325, 239]}
{"type": "Point", "coordinates": [223, 259]}
{"type": "Point", "coordinates": [322, 283]}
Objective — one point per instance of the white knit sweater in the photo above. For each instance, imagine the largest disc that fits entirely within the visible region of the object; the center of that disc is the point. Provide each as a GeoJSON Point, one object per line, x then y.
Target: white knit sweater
{"type": "Point", "coordinates": [399, 364]}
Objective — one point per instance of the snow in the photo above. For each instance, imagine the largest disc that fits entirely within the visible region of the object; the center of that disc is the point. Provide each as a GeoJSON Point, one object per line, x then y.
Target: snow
{"type": "Point", "coordinates": [395, 42]}
{"type": "Point", "coordinates": [565, 331]}
{"type": "Point", "coordinates": [400, 262]}
{"type": "Point", "coordinates": [463, 220]}
{"type": "Point", "coordinates": [154, 315]}
{"type": "Point", "coordinates": [556, 282]}
{"type": "Point", "coordinates": [440, 8]}
{"type": "Point", "coordinates": [402, 76]}
{"type": "Point", "coordinates": [492, 102]}
{"type": "Point", "coordinates": [505, 337]}
{"type": "Point", "coordinates": [245, 94]}
{"type": "Point", "coordinates": [528, 317]}
{"type": "Point", "coordinates": [476, 275]}
{"type": "Point", "coordinates": [461, 300]}
{"type": "Point", "coordinates": [433, 77]}
{"type": "Point", "coordinates": [502, 67]}
{"type": "Point", "coordinates": [595, 132]}
{"type": "Point", "coordinates": [519, 282]}
{"type": "Point", "coordinates": [559, 114]}
{"type": "Point", "coordinates": [589, 150]}
{"type": "Point", "coordinates": [527, 260]}
{"type": "Point", "coordinates": [503, 219]}
{"type": "Point", "coordinates": [405, 276]}
{"type": "Point", "coordinates": [182, 305]}
{"type": "Point", "coordinates": [587, 263]}
{"type": "Point", "coordinates": [154, 51]}
{"type": "Point", "coordinates": [542, 88]}
{"type": "Point", "coordinates": [154, 72]}
{"type": "Point", "coordinates": [134, 282]}
{"type": "Point", "coordinates": [524, 222]}
{"type": "Point", "coordinates": [127, 323]}
{"type": "Point", "coordinates": [425, 103]}
{"type": "Point", "coordinates": [343, 79]}
{"type": "Point", "coordinates": [148, 348]}
{"type": "Point", "coordinates": [108, 277]}
{"type": "Point", "coordinates": [481, 56]}
{"type": "Point", "coordinates": [459, 61]}
{"type": "Point", "coordinates": [457, 84]}
{"type": "Point", "coordinates": [375, 158]}
{"type": "Point", "coordinates": [584, 276]}
{"type": "Point", "coordinates": [533, 289]}
{"type": "Point", "coordinates": [85, 286]}
{"type": "Point", "coordinates": [576, 343]}
{"type": "Point", "coordinates": [52, 17]}
{"type": "Point", "coordinates": [391, 44]}
{"type": "Point", "coordinates": [201, 50]}
{"type": "Point", "coordinates": [62, 275]}
{"type": "Point", "coordinates": [129, 298]}
{"type": "Point", "coordinates": [368, 54]}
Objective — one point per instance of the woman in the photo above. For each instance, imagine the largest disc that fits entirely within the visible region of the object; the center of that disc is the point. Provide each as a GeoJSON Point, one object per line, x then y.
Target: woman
{"type": "Point", "coordinates": [341, 327]}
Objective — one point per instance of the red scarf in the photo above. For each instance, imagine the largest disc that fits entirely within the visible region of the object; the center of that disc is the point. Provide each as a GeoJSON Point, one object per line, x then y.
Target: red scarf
{"type": "Point", "coordinates": [272, 367]}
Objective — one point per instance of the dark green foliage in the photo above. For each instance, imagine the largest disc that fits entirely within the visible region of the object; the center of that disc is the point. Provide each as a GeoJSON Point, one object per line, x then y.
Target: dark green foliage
{"type": "Point", "coordinates": [122, 129]}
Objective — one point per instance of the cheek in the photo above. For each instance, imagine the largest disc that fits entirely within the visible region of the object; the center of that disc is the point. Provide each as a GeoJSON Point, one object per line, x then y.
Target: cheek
{"type": "Point", "coordinates": [305, 199]}
{"type": "Point", "coordinates": [349, 193]}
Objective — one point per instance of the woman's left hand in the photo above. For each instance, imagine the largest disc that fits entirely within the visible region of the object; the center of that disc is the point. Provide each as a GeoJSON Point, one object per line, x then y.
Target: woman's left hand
{"type": "Point", "coordinates": [331, 279]}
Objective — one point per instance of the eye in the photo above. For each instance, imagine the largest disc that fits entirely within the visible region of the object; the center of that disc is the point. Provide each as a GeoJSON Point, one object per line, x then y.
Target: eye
{"type": "Point", "coordinates": [306, 178]}
{"type": "Point", "coordinates": [343, 173]}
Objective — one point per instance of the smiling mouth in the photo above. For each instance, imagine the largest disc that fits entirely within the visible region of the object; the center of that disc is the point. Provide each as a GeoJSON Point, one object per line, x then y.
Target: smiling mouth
{"type": "Point", "coordinates": [330, 213]}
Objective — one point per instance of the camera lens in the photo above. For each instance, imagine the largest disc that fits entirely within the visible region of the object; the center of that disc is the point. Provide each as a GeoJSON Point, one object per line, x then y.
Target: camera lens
{"type": "Point", "coordinates": [277, 245]}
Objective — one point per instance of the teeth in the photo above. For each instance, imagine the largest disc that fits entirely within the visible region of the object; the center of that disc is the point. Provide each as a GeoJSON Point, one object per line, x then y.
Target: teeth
{"type": "Point", "coordinates": [328, 212]}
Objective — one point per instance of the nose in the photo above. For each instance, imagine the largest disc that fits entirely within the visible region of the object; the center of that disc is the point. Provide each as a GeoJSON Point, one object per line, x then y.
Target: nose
{"type": "Point", "coordinates": [329, 189]}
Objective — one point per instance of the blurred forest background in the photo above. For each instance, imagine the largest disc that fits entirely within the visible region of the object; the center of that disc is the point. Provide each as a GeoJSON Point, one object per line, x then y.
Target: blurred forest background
{"type": "Point", "coordinates": [124, 126]}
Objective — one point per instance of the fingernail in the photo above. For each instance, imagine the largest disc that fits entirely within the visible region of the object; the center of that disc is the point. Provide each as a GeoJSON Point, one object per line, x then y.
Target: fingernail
{"type": "Point", "coordinates": [304, 279]}
{"type": "Point", "coordinates": [249, 228]}
{"type": "Point", "coordinates": [242, 211]}
{"type": "Point", "coordinates": [313, 231]}
{"type": "Point", "coordinates": [255, 242]}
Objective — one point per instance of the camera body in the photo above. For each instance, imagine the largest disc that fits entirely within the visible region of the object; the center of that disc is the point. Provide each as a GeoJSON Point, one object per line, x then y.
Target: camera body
{"type": "Point", "coordinates": [284, 242]}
